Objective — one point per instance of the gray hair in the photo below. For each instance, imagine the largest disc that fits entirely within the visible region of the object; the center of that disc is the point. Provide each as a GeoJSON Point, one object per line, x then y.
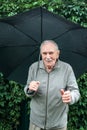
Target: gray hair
{"type": "Point", "coordinates": [49, 41]}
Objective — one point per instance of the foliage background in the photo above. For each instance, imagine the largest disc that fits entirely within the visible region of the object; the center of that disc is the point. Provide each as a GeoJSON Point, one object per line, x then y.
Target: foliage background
{"type": "Point", "coordinates": [74, 10]}
{"type": "Point", "coordinates": [11, 93]}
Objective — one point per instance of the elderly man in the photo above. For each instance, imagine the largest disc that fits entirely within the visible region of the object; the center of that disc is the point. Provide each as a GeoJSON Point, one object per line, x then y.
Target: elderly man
{"type": "Point", "coordinates": [52, 86]}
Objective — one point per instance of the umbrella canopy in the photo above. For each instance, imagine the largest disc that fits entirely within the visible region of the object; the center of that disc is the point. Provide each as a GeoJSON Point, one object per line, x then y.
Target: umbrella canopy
{"type": "Point", "coordinates": [22, 34]}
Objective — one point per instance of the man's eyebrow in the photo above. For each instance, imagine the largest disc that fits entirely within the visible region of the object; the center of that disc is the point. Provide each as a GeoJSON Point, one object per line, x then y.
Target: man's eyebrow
{"type": "Point", "coordinates": [48, 52]}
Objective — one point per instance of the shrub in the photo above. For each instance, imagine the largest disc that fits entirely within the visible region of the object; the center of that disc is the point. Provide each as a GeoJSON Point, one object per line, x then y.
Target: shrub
{"type": "Point", "coordinates": [11, 97]}
{"type": "Point", "coordinates": [78, 111]}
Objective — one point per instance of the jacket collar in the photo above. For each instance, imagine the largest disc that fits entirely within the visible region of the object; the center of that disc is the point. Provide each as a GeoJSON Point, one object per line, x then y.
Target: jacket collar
{"type": "Point", "coordinates": [57, 65]}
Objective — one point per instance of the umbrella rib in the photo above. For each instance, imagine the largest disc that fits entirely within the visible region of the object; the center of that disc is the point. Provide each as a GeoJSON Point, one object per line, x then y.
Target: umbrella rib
{"type": "Point", "coordinates": [25, 34]}
{"type": "Point", "coordinates": [23, 60]}
{"type": "Point", "coordinates": [6, 46]}
{"type": "Point", "coordinates": [74, 28]}
{"type": "Point", "coordinates": [14, 26]}
{"type": "Point", "coordinates": [75, 52]}
{"type": "Point", "coordinates": [41, 25]}
{"type": "Point", "coordinates": [79, 53]}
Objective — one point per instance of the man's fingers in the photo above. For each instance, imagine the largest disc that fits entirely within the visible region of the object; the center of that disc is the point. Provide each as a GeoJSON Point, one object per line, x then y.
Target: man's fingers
{"type": "Point", "coordinates": [62, 91]}
{"type": "Point", "coordinates": [38, 82]}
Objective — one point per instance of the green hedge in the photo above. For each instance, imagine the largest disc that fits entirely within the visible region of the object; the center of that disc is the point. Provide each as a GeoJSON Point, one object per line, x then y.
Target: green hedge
{"type": "Point", "coordinates": [78, 111]}
{"type": "Point", "coordinates": [11, 97]}
{"type": "Point", "coordinates": [73, 10]}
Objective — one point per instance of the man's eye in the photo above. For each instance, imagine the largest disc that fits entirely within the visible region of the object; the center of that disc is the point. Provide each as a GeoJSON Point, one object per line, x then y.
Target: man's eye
{"type": "Point", "coordinates": [51, 53]}
{"type": "Point", "coordinates": [44, 53]}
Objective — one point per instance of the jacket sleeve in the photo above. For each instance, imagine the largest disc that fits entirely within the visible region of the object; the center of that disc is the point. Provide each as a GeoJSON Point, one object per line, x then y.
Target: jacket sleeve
{"type": "Point", "coordinates": [29, 93]}
{"type": "Point", "coordinates": [73, 86]}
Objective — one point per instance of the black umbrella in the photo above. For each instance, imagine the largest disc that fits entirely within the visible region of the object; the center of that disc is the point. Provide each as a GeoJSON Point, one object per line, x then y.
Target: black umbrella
{"type": "Point", "coordinates": [22, 34]}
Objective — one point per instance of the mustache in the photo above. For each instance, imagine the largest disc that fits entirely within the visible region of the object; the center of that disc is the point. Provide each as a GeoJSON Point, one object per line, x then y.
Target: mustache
{"type": "Point", "coordinates": [48, 59]}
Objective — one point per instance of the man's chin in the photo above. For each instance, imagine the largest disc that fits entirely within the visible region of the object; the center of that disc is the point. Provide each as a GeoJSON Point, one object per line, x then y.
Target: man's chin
{"type": "Point", "coordinates": [49, 65]}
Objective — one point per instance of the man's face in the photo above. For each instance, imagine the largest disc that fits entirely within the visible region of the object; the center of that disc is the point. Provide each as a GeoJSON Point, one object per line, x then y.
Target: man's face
{"type": "Point", "coordinates": [49, 55]}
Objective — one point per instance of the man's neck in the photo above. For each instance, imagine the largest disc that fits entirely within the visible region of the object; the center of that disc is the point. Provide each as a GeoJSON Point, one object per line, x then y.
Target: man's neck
{"type": "Point", "coordinates": [49, 68]}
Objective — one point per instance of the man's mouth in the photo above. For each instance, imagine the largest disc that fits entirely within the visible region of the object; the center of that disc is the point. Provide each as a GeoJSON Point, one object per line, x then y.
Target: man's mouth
{"type": "Point", "coordinates": [48, 59]}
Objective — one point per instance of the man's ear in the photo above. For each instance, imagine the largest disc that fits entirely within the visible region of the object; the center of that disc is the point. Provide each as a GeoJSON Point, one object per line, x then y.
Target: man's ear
{"type": "Point", "coordinates": [40, 56]}
{"type": "Point", "coordinates": [58, 52]}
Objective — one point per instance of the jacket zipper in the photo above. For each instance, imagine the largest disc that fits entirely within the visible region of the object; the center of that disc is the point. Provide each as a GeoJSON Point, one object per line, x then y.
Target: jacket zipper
{"type": "Point", "coordinates": [46, 101]}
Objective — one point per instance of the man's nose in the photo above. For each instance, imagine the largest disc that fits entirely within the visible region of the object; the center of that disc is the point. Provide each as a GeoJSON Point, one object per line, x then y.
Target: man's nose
{"type": "Point", "coordinates": [48, 56]}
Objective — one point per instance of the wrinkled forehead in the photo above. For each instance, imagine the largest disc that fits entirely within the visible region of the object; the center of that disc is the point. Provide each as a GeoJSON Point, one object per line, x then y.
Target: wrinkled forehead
{"type": "Point", "coordinates": [48, 47]}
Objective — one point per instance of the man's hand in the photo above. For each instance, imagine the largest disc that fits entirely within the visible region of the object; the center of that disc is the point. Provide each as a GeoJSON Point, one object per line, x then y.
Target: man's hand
{"type": "Point", "coordinates": [34, 85]}
{"type": "Point", "coordinates": [66, 96]}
